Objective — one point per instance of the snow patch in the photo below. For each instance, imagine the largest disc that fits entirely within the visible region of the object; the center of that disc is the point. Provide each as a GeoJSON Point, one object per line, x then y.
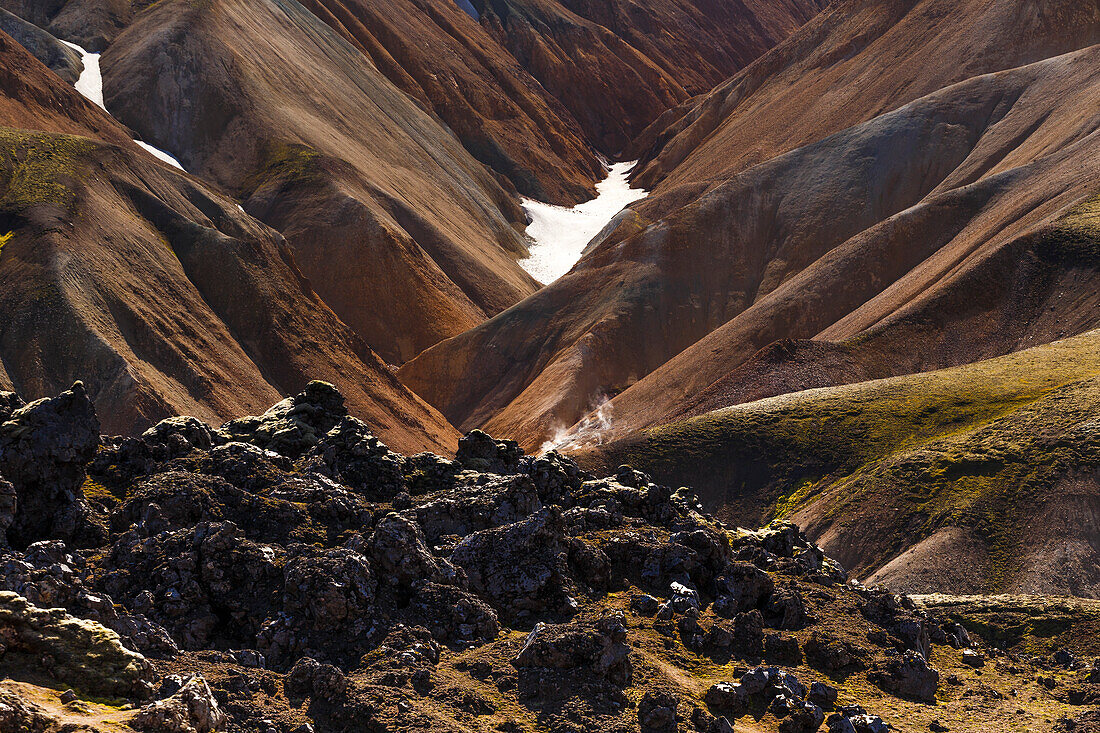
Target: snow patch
{"type": "Point", "coordinates": [90, 84]}
{"type": "Point", "coordinates": [156, 152]}
{"type": "Point", "coordinates": [559, 235]}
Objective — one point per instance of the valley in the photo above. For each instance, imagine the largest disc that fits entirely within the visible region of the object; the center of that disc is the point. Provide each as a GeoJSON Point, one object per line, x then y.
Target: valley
{"type": "Point", "coordinates": [687, 366]}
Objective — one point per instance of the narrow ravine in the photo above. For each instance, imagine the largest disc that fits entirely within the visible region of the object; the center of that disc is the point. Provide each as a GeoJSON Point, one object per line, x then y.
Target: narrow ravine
{"type": "Point", "coordinates": [559, 235]}
{"type": "Point", "coordinates": [90, 84]}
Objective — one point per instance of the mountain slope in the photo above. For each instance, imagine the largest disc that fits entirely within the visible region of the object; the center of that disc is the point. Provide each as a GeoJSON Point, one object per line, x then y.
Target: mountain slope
{"type": "Point", "coordinates": [157, 292]}
{"type": "Point", "coordinates": [267, 101]}
{"type": "Point", "coordinates": [442, 58]}
{"type": "Point", "coordinates": [851, 63]}
{"type": "Point", "coordinates": [880, 214]}
{"type": "Point", "coordinates": [619, 65]}
{"type": "Point", "coordinates": [995, 465]}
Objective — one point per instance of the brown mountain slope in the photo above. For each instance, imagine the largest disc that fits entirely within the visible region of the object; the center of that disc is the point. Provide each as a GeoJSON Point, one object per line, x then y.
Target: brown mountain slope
{"type": "Point", "coordinates": [979, 478]}
{"type": "Point", "coordinates": [786, 249]}
{"type": "Point", "coordinates": [851, 63]}
{"type": "Point", "coordinates": [161, 295]}
{"type": "Point", "coordinates": [402, 233]}
{"type": "Point", "coordinates": [441, 57]}
{"type": "Point", "coordinates": [92, 24]}
{"type": "Point", "coordinates": [32, 96]}
{"type": "Point", "coordinates": [618, 65]}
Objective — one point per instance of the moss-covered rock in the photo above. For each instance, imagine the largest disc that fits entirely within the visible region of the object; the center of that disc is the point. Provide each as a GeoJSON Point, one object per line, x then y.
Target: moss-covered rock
{"type": "Point", "coordinates": [72, 651]}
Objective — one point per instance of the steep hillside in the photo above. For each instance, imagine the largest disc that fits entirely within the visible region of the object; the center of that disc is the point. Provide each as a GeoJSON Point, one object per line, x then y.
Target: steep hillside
{"type": "Point", "coordinates": [441, 57]}
{"type": "Point", "coordinates": [851, 63]}
{"type": "Point", "coordinates": [92, 24]}
{"type": "Point", "coordinates": [618, 65]}
{"type": "Point", "coordinates": [160, 293]}
{"type": "Point", "coordinates": [401, 232]}
{"type": "Point", "coordinates": [981, 478]}
{"type": "Point", "coordinates": [897, 217]}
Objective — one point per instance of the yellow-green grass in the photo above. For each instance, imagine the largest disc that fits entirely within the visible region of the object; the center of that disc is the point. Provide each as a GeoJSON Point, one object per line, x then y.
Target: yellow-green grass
{"type": "Point", "coordinates": [974, 446]}
{"type": "Point", "coordinates": [40, 168]}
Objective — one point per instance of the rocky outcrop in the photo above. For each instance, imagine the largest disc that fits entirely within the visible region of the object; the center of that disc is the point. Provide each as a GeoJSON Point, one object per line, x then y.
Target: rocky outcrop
{"type": "Point", "coordinates": [44, 447]}
{"type": "Point", "coordinates": [192, 708]}
{"type": "Point", "coordinates": [265, 589]}
{"type": "Point", "coordinates": [74, 651]}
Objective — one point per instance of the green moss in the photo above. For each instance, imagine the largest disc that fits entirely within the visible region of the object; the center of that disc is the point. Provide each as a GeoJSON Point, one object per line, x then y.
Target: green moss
{"type": "Point", "coordinates": [1075, 238]}
{"type": "Point", "coordinates": [286, 162]}
{"type": "Point", "coordinates": [4, 239]}
{"type": "Point", "coordinates": [39, 168]}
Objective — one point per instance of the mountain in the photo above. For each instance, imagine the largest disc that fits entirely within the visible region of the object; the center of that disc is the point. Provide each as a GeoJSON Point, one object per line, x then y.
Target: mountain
{"type": "Point", "coordinates": [442, 58]}
{"type": "Point", "coordinates": [618, 65]}
{"type": "Point", "coordinates": [915, 234]}
{"type": "Point", "coordinates": [156, 290]}
{"type": "Point", "coordinates": [92, 24]}
{"type": "Point", "coordinates": [268, 102]}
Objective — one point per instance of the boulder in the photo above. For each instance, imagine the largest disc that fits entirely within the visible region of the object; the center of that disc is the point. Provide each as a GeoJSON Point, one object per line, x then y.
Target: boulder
{"type": "Point", "coordinates": [822, 695]}
{"type": "Point", "coordinates": [191, 709]}
{"type": "Point", "coordinates": [518, 568]}
{"type": "Point", "coordinates": [293, 426]}
{"type": "Point", "coordinates": [351, 455]}
{"type": "Point", "coordinates": [907, 675]}
{"type": "Point", "coordinates": [310, 678]}
{"type": "Point", "coordinates": [741, 587]}
{"type": "Point", "coordinates": [22, 716]}
{"type": "Point", "coordinates": [44, 448]}
{"type": "Point", "coordinates": [477, 451]}
{"type": "Point", "coordinates": [657, 712]}
{"type": "Point", "coordinates": [598, 649]}
{"type": "Point", "coordinates": [177, 436]}
{"type": "Point", "coordinates": [802, 717]}
{"type": "Point", "coordinates": [453, 615]}
{"type": "Point", "coordinates": [472, 505]}
{"type": "Point", "coordinates": [402, 557]}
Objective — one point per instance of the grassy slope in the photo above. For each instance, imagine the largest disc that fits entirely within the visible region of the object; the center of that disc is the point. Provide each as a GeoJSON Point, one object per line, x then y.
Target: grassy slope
{"type": "Point", "coordinates": [977, 446]}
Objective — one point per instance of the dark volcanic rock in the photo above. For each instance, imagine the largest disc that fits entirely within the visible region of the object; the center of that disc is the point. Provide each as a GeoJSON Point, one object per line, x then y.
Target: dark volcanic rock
{"type": "Point", "coordinates": [44, 448]}
{"type": "Point", "coordinates": [518, 567]}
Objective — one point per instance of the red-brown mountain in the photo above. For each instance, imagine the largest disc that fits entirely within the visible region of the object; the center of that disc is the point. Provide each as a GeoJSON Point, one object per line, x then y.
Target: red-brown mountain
{"type": "Point", "coordinates": [156, 291]}
{"type": "Point", "coordinates": [442, 58]}
{"type": "Point", "coordinates": [402, 233]}
{"type": "Point", "coordinates": [618, 65]}
{"type": "Point", "coordinates": [900, 206]}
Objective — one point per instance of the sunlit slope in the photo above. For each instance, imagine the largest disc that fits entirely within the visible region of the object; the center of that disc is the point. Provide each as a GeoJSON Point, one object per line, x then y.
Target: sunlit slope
{"type": "Point", "coordinates": [987, 474]}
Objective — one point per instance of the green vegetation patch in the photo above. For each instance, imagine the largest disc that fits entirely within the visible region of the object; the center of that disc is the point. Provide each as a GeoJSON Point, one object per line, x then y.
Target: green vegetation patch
{"type": "Point", "coordinates": [40, 168]}
{"type": "Point", "coordinates": [977, 446]}
{"type": "Point", "coordinates": [1075, 238]}
{"type": "Point", "coordinates": [288, 163]}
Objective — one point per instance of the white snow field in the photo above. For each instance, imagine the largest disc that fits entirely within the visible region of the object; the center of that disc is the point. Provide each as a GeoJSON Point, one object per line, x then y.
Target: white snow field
{"type": "Point", "coordinates": [157, 152]}
{"type": "Point", "coordinates": [90, 84]}
{"type": "Point", "coordinates": [559, 235]}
